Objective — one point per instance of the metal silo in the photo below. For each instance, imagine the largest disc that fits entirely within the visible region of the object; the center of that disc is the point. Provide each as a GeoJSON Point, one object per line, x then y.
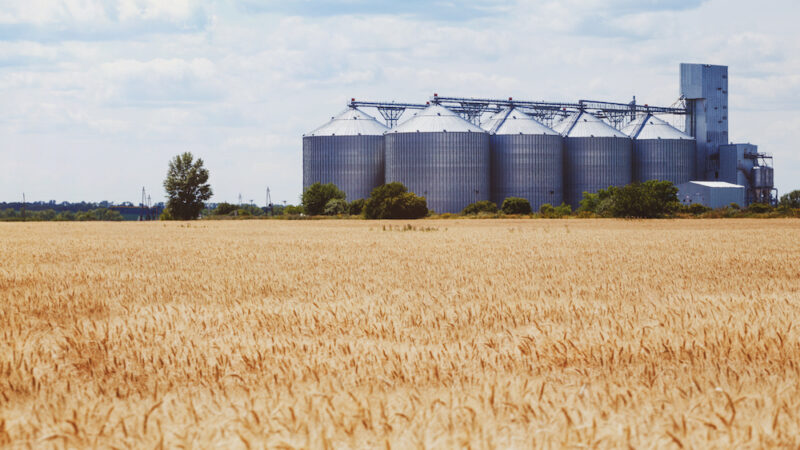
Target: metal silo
{"type": "Point", "coordinates": [596, 156]}
{"type": "Point", "coordinates": [527, 159]}
{"type": "Point", "coordinates": [348, 151]}
{"type": "Point", "coordinates": [661, 151]}
{"type": "Point", "coordinates": [440, 156]}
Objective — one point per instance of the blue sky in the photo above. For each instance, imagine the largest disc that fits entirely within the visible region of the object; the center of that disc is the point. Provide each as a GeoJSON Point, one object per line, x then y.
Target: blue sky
{"type": "Point", "coordinates": [98, 95]}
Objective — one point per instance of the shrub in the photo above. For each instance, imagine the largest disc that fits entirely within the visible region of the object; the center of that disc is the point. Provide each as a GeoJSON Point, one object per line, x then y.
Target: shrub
{"type": "Point", "coordinates": [697, 209]}
{"type": "Point", "coordinates": [791, 200]}
{"type": "Point", "coordinates": [336, 206]}
{"type": "Point", "coordinates": [356, 207]}
{"type": "Point", "coordinates": [393, 201]}
{"type": "Point", "coordinates": [652, 198]}
{"type": "Point", "coordinates": [734, 206]}
{"type": "Point", "coordinates": [224, 209]}
{"type": "Point", "coordinates": [292, 210]}
{"type": "Point", "coordinates": [759, 208]}
{"type": "Point", "coordinates": [316, 196]}
{"type": "Point", "coordinates": [516, 205]}
{"type": "Point", "coordinates": [483, 206]}
{"type": "Point", "coordinates": [549, 211]}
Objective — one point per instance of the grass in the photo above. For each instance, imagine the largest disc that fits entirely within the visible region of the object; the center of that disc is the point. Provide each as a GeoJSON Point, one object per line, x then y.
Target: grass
{"type": "Point", "coordinates": [495, 333]}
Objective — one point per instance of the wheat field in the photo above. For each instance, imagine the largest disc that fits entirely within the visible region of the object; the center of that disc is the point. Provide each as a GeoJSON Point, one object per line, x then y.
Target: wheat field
{"type": "Point", "coordinates": [425, 334]}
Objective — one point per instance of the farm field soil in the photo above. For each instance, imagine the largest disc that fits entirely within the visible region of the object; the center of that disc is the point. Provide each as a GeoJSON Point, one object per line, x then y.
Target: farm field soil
{"type": "Point", "coordinates": [447, 333]}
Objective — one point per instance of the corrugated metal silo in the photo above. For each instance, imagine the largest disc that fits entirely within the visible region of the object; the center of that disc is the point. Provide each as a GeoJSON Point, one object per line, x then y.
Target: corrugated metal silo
{"type": "Point", "coordinates": [440, 156]}
{"type": "Point", "coordinates": [348, 151]}
{"type": "Point", "coordinates": [661, 151]}
{"type": "Point", "coordinates": [596, 156]}
{"type": "Point", "coordinates": [527, 159]}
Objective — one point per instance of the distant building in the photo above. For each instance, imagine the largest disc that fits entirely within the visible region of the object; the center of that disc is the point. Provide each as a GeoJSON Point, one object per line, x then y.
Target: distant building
{"type": "Point", "coordinates": [714, 194]}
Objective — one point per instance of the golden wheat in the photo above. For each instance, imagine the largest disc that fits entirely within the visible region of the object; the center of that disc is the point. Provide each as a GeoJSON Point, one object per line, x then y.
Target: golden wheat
{"type": "Point", "coordinates": [364, 334]}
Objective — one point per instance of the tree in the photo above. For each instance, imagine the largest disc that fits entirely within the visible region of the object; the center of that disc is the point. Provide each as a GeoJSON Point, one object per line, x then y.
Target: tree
{"type": "Point", "coordinates": [316, 196]}
{"type": "Point", "coordinates": [759, 208]}
{"type": "Point", "coordinates": [292, 210]}
{"type": "Point", "coordinates": [650, 199]}
{"type": "Point", "coordinates": [516, 205]}
{"type": "Point", "coordinates": [187, 187]}
{"type": "Point", "coordinates": [697, 209]}
{"type": "Point", "coordinates": [550, 212]}
{"type": "Point", "coordinates": [791, 200]}
{"type": "Point", "coordinates": [393, 201]}
{"type": "Point", "coordinates": [356, 207]}
{"type": "Point", "coordinates": [483, 206]}
{"type": "Point", "coordinates": [224, 209]}
{"type": "Point", "coordinates": [336, 206]}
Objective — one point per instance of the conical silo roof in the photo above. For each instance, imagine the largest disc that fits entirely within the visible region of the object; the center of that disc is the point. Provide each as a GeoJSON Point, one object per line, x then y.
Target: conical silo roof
{"type": "Point", "coordinates": [436, 119]}
{"type": "Point", "coordinates": [648, 126]}
{"type": "Point", "coordinates": [351, 122]}
{"type": "Point", "coordinates": [583, 124]}
{"type": "Point", "coordinates": [514, 121]}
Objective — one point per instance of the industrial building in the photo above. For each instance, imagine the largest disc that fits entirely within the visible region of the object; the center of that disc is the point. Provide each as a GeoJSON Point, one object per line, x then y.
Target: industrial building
{"type": "Point", "coordinates": [454, 150]}
{"type": "Point", "coordinates": [714, 194]}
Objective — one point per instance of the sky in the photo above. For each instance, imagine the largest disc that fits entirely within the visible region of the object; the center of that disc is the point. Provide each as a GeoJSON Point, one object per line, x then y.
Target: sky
{"type": "Point", "coordinates": [97, 96]}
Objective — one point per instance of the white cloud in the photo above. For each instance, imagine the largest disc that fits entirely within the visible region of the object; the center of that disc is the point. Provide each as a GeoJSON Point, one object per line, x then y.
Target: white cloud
{"type": "Point", "coordinates": [92, 86]}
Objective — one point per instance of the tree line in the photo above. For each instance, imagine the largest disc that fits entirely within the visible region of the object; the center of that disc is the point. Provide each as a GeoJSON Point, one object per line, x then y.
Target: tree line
{"type": "Point", "coordinates": [187, 188]}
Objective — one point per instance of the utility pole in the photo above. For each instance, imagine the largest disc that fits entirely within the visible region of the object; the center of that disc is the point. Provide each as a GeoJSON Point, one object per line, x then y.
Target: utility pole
{"type": "Point", "coordinates": [22, 210]}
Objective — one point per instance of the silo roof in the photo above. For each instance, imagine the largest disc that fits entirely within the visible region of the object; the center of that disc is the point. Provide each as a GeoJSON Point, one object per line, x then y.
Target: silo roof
{"type": "Point", "coordinates": [436, 118]}
{"type": "Point", "coordinates": [649, 126]}
{"type": "Point", "coordinates": [514, 121]}
{"type": "Point", "coordinates": [583, 124]}
{"type": "Point", "coordinates": [351, 122]}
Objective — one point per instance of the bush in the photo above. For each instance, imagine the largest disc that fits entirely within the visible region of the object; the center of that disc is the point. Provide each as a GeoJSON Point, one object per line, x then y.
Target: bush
{"type": "Point", "coordinates": [393, 201]}
{"type": "Point", "coordinates": [697, 209]}
{"type": "Point", "coordinates": [65, 216]}
{"type": "Point", "coordinates": [483, 206]}
{"type": "Point", "coordinates": [734, 206]}
{"type": "Point", "coordinates": [224, 209]}
{"type": "Point", "coordinates": [318, 195]}
{"type": "Point", "coordinates": [336, 206]}
{"type": "Point", "coordinates": [356, 207]}
{"type": "Point", "coordinates": [292, 210]}
{"type": "Point", "coordinates": [650, 199]}
{"type": "Point", "coordinates": [791, 200]}
{"type": "Point", "coordinates": [548, 211]}
{"type": "Point", "coordinates": [516, 205]}
{"type": "Point", "coordinates": [759, 208]}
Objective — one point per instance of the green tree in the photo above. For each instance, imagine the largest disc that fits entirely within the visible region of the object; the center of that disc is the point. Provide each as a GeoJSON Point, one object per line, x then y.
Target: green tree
{"type": "Point", "coordinates": [516, 205]}
{"type": "Point", "coordinates": [791, 200]}
{"type": "Point", "coordinates": [187, 187]}
{"type": "Point", "coordinates": [549, 211]}
{"type": "Point", "coordinates": [759, 208]}
{"type": "Point", "coordinates": [356, 207]}
{"type": "Point", "coordinates": [316, 196]}
{"type": "Point", "coordinates": [697, 209]}
{"type": "Point", "coordinates": [393, 201]}
{"type": "Point", "coordinates": [336, 206]}
{"type": "Point", "coordinates": [224, 209]}
{"type": "Point", "coordinates": [292, 210]}
{"type": "Point", "coordinates": [650, 199]}
{"type": "Point", "coordinates": [483, 206]}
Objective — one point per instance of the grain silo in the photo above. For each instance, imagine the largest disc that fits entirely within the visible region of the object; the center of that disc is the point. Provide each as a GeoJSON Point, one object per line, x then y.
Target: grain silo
{"type": "Point", "coordinates": [526, 159]}
{"type": "Point", "coordinates": [440, 156]}
{"type": "Point", "coordinates": [661, 151]}
{"type": "Point", "coordinates": [348, 151]}
{"type": "Point", "coordinates": [596, 156]}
